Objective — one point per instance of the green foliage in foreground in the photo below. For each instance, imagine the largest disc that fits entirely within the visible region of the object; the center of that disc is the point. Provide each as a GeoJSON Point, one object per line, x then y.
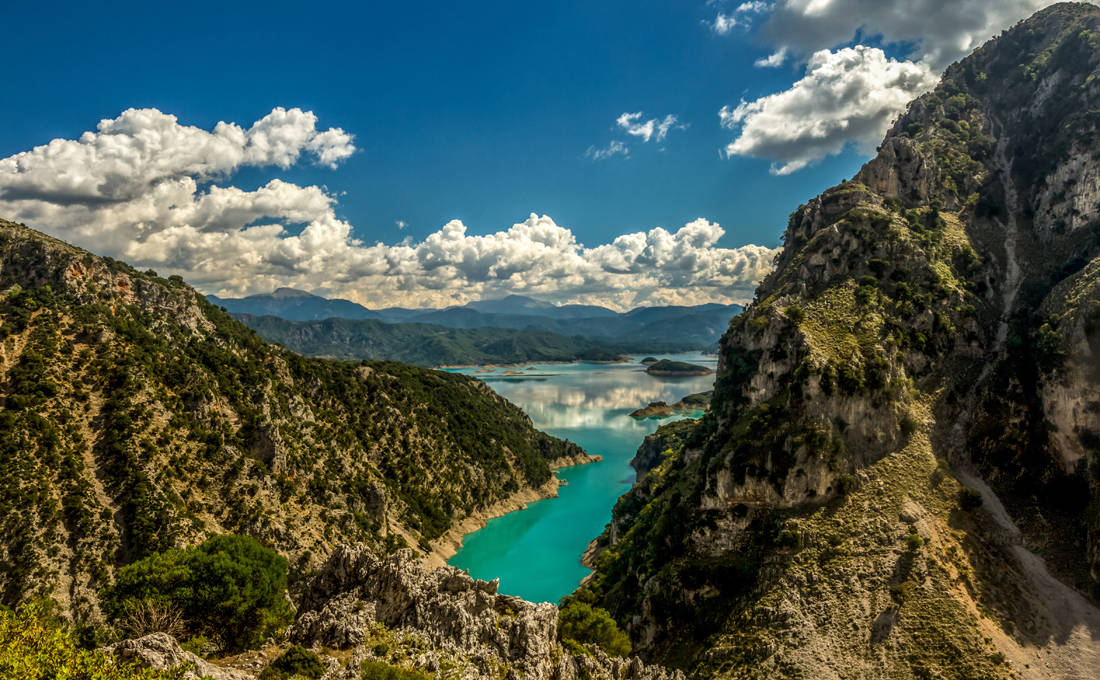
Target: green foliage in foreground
{"type": "Point", "coordinates": [230, 587]}
{"type": "Point", "coordinates": [37, 646]}
{"type": "Point", "coordinates": [296, 661]}
{"type": "Point", "coordinates": [580, 622]}
{"type": "Point", "coordinates": [377, 670]}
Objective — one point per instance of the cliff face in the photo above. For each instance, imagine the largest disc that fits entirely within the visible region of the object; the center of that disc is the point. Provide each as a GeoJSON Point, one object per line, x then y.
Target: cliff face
{"type": "Point", "coordinates": [927, 344]}
{"type": "Point", "coordinates": [137, 416]}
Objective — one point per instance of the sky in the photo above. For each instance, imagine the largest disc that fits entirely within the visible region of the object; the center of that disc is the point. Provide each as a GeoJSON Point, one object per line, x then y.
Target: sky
{"type": "Point", "coordinates": [426, 154]}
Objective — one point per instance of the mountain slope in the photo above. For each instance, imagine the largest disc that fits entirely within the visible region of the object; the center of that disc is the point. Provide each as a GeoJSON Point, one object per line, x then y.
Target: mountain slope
{"type": "Point", "coordinates": [425, 344]}
{"type": "Point", "coordinates": [138, 416]}
{"type": "Point", "coordinates": [905, 420]}
{"type": "Point", "coordinates": [295, 305]}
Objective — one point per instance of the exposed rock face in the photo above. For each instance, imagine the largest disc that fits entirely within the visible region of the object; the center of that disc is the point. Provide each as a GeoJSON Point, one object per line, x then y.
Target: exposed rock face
{"type": "Point", "coordinates": [935, 317]}
{"type": "Point", "coordinates": [457, 619]}
{"type": "Point", "coordinates": [161, 652]}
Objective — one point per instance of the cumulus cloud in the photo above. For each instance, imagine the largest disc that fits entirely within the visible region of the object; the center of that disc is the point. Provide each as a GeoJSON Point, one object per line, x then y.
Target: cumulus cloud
{"type": "Point", "coordinates": [145, 189]}
{"type": "Point", "coordinates": [939, 31]}
{"type": "Point", "coordinates": [615, 148]}
{"type": "Point", "coordinates": [820, 112]}
{"type": "Point", "coordinates": [633, 124]}
{"type": "Point", "coordinates": [851, 94]}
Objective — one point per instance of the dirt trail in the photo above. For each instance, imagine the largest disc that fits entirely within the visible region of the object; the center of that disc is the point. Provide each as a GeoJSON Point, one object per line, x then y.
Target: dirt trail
{"type": "Point", "coordinates": [1072, 651]}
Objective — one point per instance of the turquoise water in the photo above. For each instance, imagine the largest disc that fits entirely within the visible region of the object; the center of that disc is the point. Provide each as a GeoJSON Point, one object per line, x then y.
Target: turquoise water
{"type": "Point", "coordinates": [536, 552]}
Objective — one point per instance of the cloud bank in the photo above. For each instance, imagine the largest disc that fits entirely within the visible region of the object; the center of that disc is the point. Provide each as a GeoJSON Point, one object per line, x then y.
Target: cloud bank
{"type": "Point", "coordinates": [821, 114]}
{"type": "Point", "coordinates": [148, 190]}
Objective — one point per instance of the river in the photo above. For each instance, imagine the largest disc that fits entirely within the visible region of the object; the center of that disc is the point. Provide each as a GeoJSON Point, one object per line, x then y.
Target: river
{"type": "Point", "coordinates": [536, 552]}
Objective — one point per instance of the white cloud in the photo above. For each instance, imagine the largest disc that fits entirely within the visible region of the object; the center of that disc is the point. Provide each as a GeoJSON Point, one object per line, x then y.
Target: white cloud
{"type": "Point", "coordinates": [850, 95]}
{"type": "Point", "coordinates": [819, 114]}
{"type": "Point", "coordinates": [940, 31]}
{"type": "Point", "coordinates": [723, 23]}
{"type": "Point", "coordinates": [754, 7]}
{"type": "Point", "coordinates": [145, 189]}
{"type": "Point", "coordinates": [401, 224]}
{"type": "Point", "coordinates": [646, 130]}
{"type": "Point", "coordinates": [773, 60]}
{"type": "Point", "coordinates": [615, 148]}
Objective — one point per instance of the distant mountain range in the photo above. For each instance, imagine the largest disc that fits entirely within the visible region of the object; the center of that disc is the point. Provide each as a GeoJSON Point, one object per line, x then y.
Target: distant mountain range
{"type": "Point", "coordinates": [430, 344]}
{"type": "Point", "coordinates": [665, 328]}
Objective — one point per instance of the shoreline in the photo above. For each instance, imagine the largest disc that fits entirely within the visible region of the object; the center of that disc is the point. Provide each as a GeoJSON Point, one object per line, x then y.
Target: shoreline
{"type": "Point", "coordinates": [447, 546]}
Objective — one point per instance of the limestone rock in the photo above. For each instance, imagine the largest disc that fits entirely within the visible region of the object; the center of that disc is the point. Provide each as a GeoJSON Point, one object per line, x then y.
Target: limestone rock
{"type": "Point", "coordinates": [450, 616]}
{"type": "Point", "coordinates": [160, 651]}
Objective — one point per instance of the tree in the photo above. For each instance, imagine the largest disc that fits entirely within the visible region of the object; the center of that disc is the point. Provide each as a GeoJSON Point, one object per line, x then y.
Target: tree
{"type": "Point", "coordinates": [230, 587]}
{"type": "Point", "coordinates": [580, 622]}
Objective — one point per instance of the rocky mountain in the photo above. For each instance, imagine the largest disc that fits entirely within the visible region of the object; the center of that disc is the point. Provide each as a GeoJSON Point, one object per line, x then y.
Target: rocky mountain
{"type": "Point", "coordinates": [898, 476]}
{"type": "Point", "coordinates": [136, 416]}
{"type": "Point", "coordinates": [427, 344]}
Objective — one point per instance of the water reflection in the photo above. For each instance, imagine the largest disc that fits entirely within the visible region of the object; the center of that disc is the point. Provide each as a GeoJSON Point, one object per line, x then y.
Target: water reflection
{"type": "Point", "coordinates": [536, 553]}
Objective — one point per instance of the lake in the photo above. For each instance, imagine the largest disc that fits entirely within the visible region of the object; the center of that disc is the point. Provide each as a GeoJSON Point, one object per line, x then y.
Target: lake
{"type": "Point", "coordinates": [536, 552]}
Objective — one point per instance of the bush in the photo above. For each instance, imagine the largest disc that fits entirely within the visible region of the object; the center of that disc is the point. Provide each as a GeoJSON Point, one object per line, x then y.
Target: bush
{"type": "Point", "coordinates": [376, 670]}
{"type": "Point", "coordinates": [37, 646]}
{"type": "Point", "coordinates": [913, 541]}
{"type": "Point", "coordinates": [580, 622]}
{"type": "Point", "coordinates": [296, 661]}
{"type": "Point", "coordinates": [970, 499]}
{"type": "Point", "coordinates": [845, 484]}
{"type": "Point", "coordinates": [230, 587]}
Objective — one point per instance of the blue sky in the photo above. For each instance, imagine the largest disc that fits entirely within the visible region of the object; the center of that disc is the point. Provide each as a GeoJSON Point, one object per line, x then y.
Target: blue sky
{"type": "Point", "coordinates": [482, 112]}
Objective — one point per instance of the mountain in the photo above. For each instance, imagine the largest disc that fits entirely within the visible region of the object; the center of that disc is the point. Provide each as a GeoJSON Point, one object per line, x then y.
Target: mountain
{"type": "Point", "coordinates": [296, 305]}
{"type": "Point", "coordinates": [522, 305]}
{"type": "Point", "coordinates": [137, 416]}
{"type": "Point", "coordinates": [426, 344]}
{"type": "Point", "coordinates": [663, 328]}
{"type": "Point", "coordinates": [899, 474]}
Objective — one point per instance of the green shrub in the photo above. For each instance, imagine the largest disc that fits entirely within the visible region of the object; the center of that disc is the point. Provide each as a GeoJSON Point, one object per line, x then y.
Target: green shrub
{"type": "Point", "coordinates": [230, 587]}
{"type": "Point", "coordinates": [580, 622]}
{"type": "Point", "coordinates": [913, 541]}
{"type": "Point", "coordinates": [909, 425]}
{"type": "Point", "coordinates": [37, 646]}
{"type": "Point", "coordinates": [377, 670]}
{"type": "Point", "coordinates": [970, 499]}
{"type": "Point", "coordinates": [296, 661]}
{"type": "Point", "coordinates": [845, 484]}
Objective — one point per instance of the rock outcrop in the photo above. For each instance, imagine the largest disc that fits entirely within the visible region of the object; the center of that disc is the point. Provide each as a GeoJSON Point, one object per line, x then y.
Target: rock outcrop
{"type": "Point", "coordinates": [161, 652]}
{"type": "Point", "coordinates": [391, 607]}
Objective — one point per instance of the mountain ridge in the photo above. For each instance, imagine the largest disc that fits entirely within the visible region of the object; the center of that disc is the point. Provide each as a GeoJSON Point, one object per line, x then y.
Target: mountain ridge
{"type": "Point", "coordinates": [905, 417]}
{"type": "Point", "coordinates": [674, 327]}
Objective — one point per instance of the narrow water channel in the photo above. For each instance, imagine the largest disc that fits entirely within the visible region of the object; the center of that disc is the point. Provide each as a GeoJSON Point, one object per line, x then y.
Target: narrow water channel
{"type": "Point", "coordinates": [536, 552]}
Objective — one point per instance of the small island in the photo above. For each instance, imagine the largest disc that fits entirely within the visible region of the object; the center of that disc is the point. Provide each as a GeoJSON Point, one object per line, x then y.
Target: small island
{"type": "Point", "coordinates": [666, 368]}
{"type": "Point", "coordinates": [690, 404]}
{"type": "Point", "coordinates": [649, 360]}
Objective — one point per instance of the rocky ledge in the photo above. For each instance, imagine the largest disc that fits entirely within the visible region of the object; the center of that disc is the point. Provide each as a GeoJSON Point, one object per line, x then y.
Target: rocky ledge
{"type": "Point", "coordinates": [393, 609]}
